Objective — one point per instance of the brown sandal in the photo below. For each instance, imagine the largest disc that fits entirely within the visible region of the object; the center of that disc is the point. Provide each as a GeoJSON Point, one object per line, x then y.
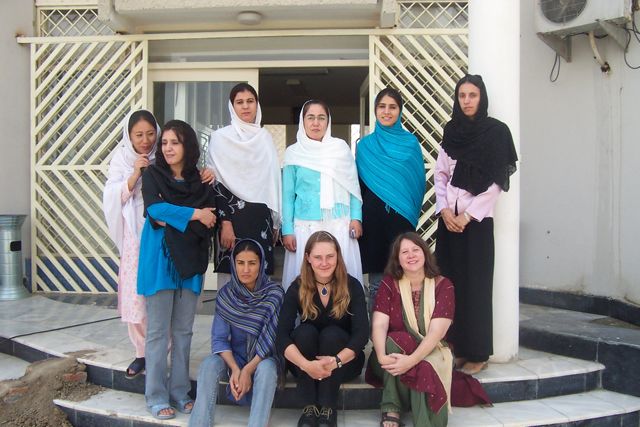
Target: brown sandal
{"type": "Point", "coordinates": [390, 419]}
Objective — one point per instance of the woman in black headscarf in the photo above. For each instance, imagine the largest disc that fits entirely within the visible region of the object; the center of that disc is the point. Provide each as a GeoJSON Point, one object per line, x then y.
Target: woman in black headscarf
{"type": "Point", "coordinates": [474, 164]}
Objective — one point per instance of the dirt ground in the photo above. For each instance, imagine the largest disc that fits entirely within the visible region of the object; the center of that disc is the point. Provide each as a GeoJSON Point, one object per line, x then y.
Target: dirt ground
{"type": "Point", "coordinates": [28, 401]}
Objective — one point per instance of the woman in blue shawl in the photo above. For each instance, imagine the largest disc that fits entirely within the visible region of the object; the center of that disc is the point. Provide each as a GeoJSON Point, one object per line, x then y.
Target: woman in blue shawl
{"type": "Point", "coordinates": [392, 181]}
{"type": "Point", "coordinates": [242, 340]}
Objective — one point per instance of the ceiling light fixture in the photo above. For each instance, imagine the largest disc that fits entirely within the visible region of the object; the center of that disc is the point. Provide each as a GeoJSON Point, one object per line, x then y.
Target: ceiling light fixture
{"type": "Point", "coordinates": [249, 17]}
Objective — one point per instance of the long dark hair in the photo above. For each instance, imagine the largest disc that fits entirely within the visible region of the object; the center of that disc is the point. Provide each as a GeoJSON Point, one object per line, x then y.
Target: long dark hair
{"type": "Point", "coordinates": [189, 140]}
{"type": "Point", "coordinates": [389, 91]}
{"type": "Point", "coordinates": [242, 87]}
{"type": "Point", "coordinates": [394, 269]}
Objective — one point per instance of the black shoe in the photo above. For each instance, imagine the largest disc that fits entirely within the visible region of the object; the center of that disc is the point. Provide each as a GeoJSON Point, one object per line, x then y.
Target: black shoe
{"type": "Point", "coordinates": [135, 368]}
{"type": "Point", "coordinates": [309, 417]}
{"type": "Point", "coordinates": [328, 417]}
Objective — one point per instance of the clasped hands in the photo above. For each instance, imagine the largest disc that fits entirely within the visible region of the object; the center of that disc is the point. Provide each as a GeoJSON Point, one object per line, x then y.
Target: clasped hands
{"type": "Point", "coordinates": [396, 363]}
{"type": "Point", "coordinates": [454, 223]}
{"type": "Point", "coordinates": [320, 368]}
{"type": "Point", "coordinates": [240, 383]}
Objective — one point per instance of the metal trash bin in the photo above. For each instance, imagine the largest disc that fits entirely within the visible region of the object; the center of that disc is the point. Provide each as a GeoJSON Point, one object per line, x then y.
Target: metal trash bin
{"type": "Point", "coordinates": [11, 276]}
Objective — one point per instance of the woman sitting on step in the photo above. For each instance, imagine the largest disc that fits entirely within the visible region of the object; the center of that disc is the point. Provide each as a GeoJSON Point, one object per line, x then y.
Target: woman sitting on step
{"type": "Point", "coordinates": [413, 310]}
{"type": "Point", "coordinates": [242, 340]}
{"type": "Point", "coordinates": [326, 348]}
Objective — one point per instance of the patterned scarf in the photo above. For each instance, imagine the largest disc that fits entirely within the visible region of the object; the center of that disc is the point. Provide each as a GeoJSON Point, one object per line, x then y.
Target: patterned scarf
{"type": "Point", "coordinates": [255, 312]}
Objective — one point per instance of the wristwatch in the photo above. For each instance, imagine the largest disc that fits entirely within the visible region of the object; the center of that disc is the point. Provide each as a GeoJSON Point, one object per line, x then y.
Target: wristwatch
{"type": "Point", "coordinates": [338, 361]}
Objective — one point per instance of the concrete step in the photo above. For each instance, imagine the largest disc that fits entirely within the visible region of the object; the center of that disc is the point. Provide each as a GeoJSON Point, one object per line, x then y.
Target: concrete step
{"type": "Point", "coordinates": [11, 367]}
{"type": "Point", "coordinates": [597, 408]}
{"type": "Point", "coordinates": [593, 337]}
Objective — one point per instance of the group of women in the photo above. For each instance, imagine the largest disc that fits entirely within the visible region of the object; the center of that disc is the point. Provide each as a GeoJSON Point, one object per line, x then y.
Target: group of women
{"type": "Point", "coordinates": [337, 218]}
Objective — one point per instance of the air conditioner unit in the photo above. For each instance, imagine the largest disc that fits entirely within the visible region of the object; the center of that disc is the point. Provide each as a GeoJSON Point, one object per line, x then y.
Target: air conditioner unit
{"type": "Point", "coordinates": [569, 17]}
{"type": "Point", "coordinates": [557, 20]}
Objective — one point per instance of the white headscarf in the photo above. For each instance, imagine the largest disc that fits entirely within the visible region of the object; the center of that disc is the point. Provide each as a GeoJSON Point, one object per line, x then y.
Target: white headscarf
{"type": "Point", "coordinates": [332, 158]}
{"type": "Point", "coordinates": [245, 161]}
{"type": "Point", "coordinates": [129, 214]}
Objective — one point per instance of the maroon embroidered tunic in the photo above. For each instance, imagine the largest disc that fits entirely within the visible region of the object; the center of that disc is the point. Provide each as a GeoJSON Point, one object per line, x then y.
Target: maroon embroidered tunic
{"type": "Point", "coordinates": [422, 377]}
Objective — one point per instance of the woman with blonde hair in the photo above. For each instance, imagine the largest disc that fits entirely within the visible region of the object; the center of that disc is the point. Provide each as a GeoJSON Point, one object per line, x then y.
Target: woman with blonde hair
{"type": "Point", "coordinates": [326, 348]}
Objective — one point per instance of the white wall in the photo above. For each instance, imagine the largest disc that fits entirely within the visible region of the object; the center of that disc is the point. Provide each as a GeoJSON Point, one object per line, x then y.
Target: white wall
{"type": "Point", "coordinates": [580, 168]}
{"type": "Point", "coordinates": [16, 17]}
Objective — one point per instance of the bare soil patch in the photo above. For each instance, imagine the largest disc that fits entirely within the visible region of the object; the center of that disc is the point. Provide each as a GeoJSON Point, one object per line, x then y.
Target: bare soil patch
{"type": "Point", "coordinates": [28, 401]}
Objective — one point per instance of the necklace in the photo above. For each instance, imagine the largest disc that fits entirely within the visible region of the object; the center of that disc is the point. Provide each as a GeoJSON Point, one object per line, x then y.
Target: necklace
{"type": "Point", "coordinates": [324, 291]}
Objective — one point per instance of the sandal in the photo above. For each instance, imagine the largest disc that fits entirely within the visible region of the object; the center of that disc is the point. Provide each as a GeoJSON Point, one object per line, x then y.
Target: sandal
{"type": "Point", "coordinates": [390, 419]}
{"type": "Point", "coordinates": [157, 409]}
{"type": "Point", "coordinates": [181, 405]}
{"type": "Point", "coordinates": [135, 368]}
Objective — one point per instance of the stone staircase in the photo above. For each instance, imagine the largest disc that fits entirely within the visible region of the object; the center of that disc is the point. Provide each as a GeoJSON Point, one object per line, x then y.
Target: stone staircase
{"type": "Point", "coordinates": [539, 388]}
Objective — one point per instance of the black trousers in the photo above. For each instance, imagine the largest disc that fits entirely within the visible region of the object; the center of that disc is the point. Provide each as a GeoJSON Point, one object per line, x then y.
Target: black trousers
{"type": "Point", "coordinates": [467, 259]}
{"type": "Point", "coordinates": [325, 342]}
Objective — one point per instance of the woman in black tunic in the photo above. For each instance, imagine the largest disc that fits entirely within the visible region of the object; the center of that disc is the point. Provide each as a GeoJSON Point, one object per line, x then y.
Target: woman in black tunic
{"type": "Point", "coordinates": [245, 162]}
{"type": "Point", "coordinates": [473, 167]}
{"type": "Point", "coordinates": [392, 181]}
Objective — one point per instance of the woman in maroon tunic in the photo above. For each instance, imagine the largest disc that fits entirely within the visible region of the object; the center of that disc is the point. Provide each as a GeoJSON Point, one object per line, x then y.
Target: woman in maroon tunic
{"type": "Point", "coordinates": [413, 310]}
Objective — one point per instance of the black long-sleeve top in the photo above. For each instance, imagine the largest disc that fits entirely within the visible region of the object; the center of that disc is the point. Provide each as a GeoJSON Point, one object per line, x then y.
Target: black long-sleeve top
{"type": "Point", "coordinates": [355, 321]}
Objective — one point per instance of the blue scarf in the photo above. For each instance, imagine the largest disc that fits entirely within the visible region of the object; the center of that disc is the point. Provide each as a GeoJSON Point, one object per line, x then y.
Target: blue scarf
{"type": "Point", "coordinates": [390, 163]}
{"type": "Point", "coordinates": [255, 312]}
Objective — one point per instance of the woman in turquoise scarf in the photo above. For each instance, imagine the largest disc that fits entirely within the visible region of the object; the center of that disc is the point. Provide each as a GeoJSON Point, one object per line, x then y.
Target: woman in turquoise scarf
{"type": "Point", "coordinates": [392, 181]}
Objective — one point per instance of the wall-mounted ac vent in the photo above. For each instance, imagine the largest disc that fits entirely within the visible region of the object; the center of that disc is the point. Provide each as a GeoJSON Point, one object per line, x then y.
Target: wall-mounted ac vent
{"type": "Point", "coordinates": [556, 20]}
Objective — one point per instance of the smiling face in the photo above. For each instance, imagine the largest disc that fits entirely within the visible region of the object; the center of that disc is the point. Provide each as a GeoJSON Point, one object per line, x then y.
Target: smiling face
{"type": "Point", "coordinates": [248, 268]}
{"type": "Point", "coordinates": [143, 135]}
{"type": "Point", "coordinates": [387, 111]}
{"type": "Point", "coordinates": [323, 259]}
{"type": "Point", "coordinates": [316, 121]}
{"type": "Point", "coordinates": [246, 106]}
{"type": "Point", "coordinates": [411, 257]}
{"type": "Point", "coordinates": [469, 99]}
{"type": "Point", "coordinates": [172, 149]}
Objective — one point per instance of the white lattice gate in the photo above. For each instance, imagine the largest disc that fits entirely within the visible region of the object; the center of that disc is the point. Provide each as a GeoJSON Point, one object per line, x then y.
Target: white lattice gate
{"type": "Point", "coordinates": [81, 91]}
{"type": "Point", "coordinates": [423, 61]}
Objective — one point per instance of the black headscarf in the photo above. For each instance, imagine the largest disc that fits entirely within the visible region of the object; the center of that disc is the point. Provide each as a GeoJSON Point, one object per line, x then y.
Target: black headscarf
{"type": "Point", "coordinates": [188, 250]}
{"type": "Point", "coordinates": [482, 146]}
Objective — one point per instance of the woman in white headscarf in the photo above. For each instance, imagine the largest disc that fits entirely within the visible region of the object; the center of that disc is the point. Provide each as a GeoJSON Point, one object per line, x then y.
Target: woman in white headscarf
{"type": "Point", "coordinates": [320, 191]}
{"type": "Point", "coordinates": [123, 208]}
{"type": "Point", "coordinates": [245, 162]}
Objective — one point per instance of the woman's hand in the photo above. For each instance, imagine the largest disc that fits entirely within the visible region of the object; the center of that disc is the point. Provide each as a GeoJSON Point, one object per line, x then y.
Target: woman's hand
{"type": "Point", "coordinates": [385, 360]}
{"type": "Point", "coordinates": [289, 242]}
{"type": "Point", "coordinates": [227, 235]}
{"type": "Point", "coordinates": [207, 176]}
{"type": "Point", "coordinates": [401, 364]}
{"type": "Point", "coordinates": [138, 166]}
{"type": "Point", "coordinates": [355, 229]}
{"type": "Point", "coordinates": [450, 221]}
{"type": "Point", "coordinates": [206, 216]}
{"type": "Point", "coordinates": [318, 369]}
{"type": "Point", "coordinates": [234, 383]}
{"type": "Point", "coordinates": [244, 383]}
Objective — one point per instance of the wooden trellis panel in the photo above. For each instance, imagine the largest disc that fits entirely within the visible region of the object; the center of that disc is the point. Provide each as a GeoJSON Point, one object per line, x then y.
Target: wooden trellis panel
{"type": "Point", "coordinates": [81, 91]}
{"type": "Point", "coordinates": [424, 68]}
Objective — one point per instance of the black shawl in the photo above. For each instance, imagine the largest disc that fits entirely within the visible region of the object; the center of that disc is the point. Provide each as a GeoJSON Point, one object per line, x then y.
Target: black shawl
{"type": "Point", "coordinates": [188, 250]}
{"type": "Point", "coordinates": [482, 146]}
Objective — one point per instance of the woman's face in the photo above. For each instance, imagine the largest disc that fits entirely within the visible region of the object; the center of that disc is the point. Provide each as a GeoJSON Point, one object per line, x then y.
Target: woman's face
{"type": "Point", "coordinates": [323, 259]}
{"type": "Point", "coordinates": [247, 268]}
{"type": "Point", "coordinates": [387, 111]}
{"type": "Point", "coordinates": [172, 148]}
{"type": "Point", "coordinates": [469, 99]}
{"type": "Point", "coordinates": [316, 121]}
{"type": "Point", "coordinates": [246, 106]}
{"type": "Point", "coordinates": [411, 257]}
{"type": "Point", "coordinates": [143, 135]}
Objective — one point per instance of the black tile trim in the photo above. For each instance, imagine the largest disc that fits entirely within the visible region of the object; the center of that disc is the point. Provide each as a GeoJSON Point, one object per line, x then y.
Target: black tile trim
{"type": "Point", "coordinates": [593, 304]}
